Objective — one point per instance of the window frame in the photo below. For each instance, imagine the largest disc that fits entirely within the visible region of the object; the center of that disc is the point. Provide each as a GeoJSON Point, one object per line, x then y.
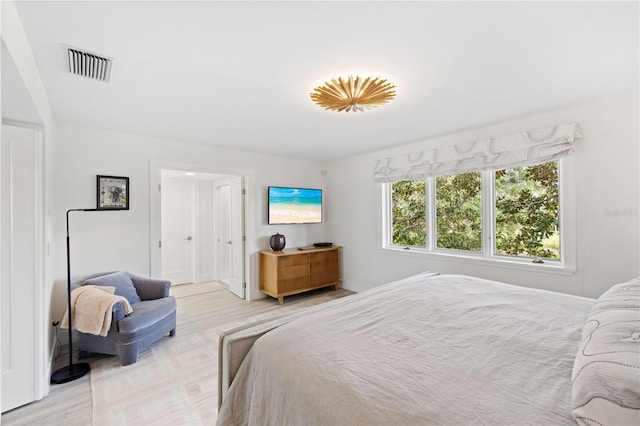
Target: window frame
{"type": "Point", "coordinates": [488, 255]}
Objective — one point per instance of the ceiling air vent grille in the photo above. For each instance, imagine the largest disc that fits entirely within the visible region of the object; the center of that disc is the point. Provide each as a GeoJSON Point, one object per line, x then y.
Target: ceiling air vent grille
{"type": "Point", "coordinates": [89, 65]}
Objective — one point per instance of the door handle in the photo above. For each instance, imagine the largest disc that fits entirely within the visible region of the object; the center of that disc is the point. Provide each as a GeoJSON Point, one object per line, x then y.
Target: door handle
{"type": "Point", "coordinates": [189, 238]}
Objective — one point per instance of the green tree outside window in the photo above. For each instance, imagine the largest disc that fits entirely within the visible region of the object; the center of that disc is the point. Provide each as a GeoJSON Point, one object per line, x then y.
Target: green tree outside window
{"type": "Point", "coordinates": [527, 221]}
{"type": "Point", "coordinates": [459, 212]}
{"type": "Point", "coordinates": [408, 216]}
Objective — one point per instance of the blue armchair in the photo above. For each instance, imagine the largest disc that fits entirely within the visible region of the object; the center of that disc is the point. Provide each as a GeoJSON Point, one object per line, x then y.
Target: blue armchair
{"type": "Point", "coordinates": [153, 316]}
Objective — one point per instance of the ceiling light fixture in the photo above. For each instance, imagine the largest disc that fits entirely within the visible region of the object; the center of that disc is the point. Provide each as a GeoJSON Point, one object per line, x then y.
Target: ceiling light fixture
{"type": "Point", "coordinates": [353, 94]}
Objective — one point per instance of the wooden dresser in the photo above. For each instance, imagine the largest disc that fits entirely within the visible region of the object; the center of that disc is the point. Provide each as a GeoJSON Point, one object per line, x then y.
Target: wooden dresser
{"type": "Point", "coordinates": [293, 271]}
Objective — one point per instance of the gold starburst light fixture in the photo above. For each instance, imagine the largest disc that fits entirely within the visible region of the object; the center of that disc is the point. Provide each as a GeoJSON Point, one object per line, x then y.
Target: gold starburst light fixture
{"type": "Point", "coordinates": [353, 94]}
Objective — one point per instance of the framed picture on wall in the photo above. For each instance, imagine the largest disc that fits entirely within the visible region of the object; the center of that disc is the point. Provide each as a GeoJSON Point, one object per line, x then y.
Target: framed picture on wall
{"type": "Point", "coordinates": [113, 193]}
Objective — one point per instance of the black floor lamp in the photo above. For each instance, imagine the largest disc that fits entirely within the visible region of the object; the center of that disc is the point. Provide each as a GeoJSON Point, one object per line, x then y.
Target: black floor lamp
{"type": "Point", "coordinates": [72, 371]}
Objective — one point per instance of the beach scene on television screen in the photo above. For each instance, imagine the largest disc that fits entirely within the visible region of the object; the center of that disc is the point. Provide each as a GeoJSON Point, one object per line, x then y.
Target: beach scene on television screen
{"type": "Point", "coordinates": [295, 205]}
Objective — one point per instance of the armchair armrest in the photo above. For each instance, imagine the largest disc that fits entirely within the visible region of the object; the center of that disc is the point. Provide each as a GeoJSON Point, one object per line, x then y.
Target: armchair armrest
{"type": "Point", "coordinates": [150, 288]}
{"type": "Point", "coordinates": [118, 314]}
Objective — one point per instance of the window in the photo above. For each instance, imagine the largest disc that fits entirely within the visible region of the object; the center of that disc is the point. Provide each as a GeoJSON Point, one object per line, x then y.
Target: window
{"type": "Point", "coordinates": [505, 214]}
{"type": "Point", "coordinates": [458, 212]}
{"type": "Point", "coordinates": [409, 213]}
{"type": "Point", "coordinates": [527, 211]}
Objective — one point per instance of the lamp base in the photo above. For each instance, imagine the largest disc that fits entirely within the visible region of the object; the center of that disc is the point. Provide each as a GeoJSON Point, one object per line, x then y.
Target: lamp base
{"type": "Point", "coordinates": [70, 373]}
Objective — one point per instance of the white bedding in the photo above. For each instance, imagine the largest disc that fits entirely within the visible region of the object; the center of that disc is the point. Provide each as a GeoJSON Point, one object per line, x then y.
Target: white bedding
{"type": "Point", "coordinates": [429, 349]}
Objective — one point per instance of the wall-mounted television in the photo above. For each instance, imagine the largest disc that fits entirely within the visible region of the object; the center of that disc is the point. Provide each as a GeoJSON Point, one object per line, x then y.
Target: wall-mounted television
{"type": "Point", "coordinates": [294, 205]}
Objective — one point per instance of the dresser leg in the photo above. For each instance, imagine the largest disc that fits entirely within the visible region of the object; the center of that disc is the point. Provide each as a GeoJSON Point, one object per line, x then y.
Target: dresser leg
{"type": "Point", "coordinates": [281, 300]}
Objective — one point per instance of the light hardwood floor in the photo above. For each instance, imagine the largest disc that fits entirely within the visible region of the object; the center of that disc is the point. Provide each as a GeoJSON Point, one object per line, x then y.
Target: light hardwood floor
{"type": "Point", "coordinates": [201, 317]}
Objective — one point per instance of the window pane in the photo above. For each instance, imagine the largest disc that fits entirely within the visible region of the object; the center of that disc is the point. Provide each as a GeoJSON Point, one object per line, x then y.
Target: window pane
{"type": "Point", "coordinates": [527, 205]}
{"type": "Point", "coordinates": [409, 222]}
{"type": "Point", "coordinates": [459, 212]}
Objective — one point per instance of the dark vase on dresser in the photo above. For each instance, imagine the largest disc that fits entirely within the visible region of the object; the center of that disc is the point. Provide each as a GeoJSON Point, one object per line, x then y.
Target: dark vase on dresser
{"type": "Point", "coordinates": [277, 242]}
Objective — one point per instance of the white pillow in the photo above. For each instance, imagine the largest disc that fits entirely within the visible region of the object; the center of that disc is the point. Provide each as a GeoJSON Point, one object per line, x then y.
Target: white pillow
{"type": "Point", "coordinates": [606, 372]}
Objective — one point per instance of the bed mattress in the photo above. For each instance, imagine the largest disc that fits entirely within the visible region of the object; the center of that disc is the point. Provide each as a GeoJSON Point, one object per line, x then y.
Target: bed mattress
{"type": "Point", "coordinates": [429, 349]}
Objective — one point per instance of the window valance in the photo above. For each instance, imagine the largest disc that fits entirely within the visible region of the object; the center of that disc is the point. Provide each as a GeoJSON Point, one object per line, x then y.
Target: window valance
{"type": "Point", "coordinates": [517, 149]}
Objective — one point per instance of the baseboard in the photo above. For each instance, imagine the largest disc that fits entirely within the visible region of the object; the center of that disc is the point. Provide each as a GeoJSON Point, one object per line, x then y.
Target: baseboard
{"type": "Point", "coordinates": [53, 347]}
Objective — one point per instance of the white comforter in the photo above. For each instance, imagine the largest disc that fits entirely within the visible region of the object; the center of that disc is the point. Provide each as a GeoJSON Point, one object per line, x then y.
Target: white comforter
{"type": "Point", "coordinates": [429, 349]}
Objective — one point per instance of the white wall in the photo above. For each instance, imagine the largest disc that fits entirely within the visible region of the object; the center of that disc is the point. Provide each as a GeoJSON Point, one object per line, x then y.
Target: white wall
{"type": "Point", "coordinates": [119, 240]}
{"type": "Point", "coordinates": [606, 192]}
{"type": "Point", "coordinates": [17, 44]}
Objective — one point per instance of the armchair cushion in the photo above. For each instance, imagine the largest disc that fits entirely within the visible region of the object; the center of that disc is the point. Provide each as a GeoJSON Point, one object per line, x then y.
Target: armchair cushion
{"type": "Point", "coordinates": [147, 313]}
{"type": "Point", "coordinates": [121, 281]}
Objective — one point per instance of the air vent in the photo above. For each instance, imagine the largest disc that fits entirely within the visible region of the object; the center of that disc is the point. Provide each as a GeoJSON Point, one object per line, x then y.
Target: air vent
{"type": "Point", "coordinates": [89, 65]}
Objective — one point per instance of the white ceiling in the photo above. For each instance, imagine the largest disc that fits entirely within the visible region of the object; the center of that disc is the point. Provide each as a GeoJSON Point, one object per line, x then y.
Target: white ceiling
{"type": "Point", "coordinates": [238, 74]}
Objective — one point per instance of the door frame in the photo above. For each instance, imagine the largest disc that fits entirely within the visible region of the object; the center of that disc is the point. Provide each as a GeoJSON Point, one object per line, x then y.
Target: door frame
{"type": "Point", "coordinates": [155, 169]}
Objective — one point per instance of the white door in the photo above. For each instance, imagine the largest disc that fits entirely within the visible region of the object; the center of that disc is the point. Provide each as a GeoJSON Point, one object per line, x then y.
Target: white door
{"type": "Point", "coordinates": [230, 241]}
{"type": "Point", "coordinates": [230, 236]}
{"type": "Point", "coordinates": [20, 211]}
{"type": "Point", "coordinates": [177, 230]}
{"type": "Point", "coordinates": [223, 212]}
{"type": "Point", "coordinates": [237, 237]}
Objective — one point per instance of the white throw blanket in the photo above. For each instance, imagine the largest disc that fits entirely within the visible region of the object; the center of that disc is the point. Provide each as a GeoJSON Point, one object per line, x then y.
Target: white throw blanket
{"type": "Point", "coordinates": [92, 308]}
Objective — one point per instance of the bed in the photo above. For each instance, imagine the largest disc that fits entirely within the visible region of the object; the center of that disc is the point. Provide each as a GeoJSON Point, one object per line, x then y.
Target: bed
{"type": "Point", "coordinates": [438, 349]}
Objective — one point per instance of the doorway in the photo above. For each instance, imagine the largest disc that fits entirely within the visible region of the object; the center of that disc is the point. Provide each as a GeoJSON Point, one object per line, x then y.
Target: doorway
{"type": "Point", "coordinates": [202, 228]}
